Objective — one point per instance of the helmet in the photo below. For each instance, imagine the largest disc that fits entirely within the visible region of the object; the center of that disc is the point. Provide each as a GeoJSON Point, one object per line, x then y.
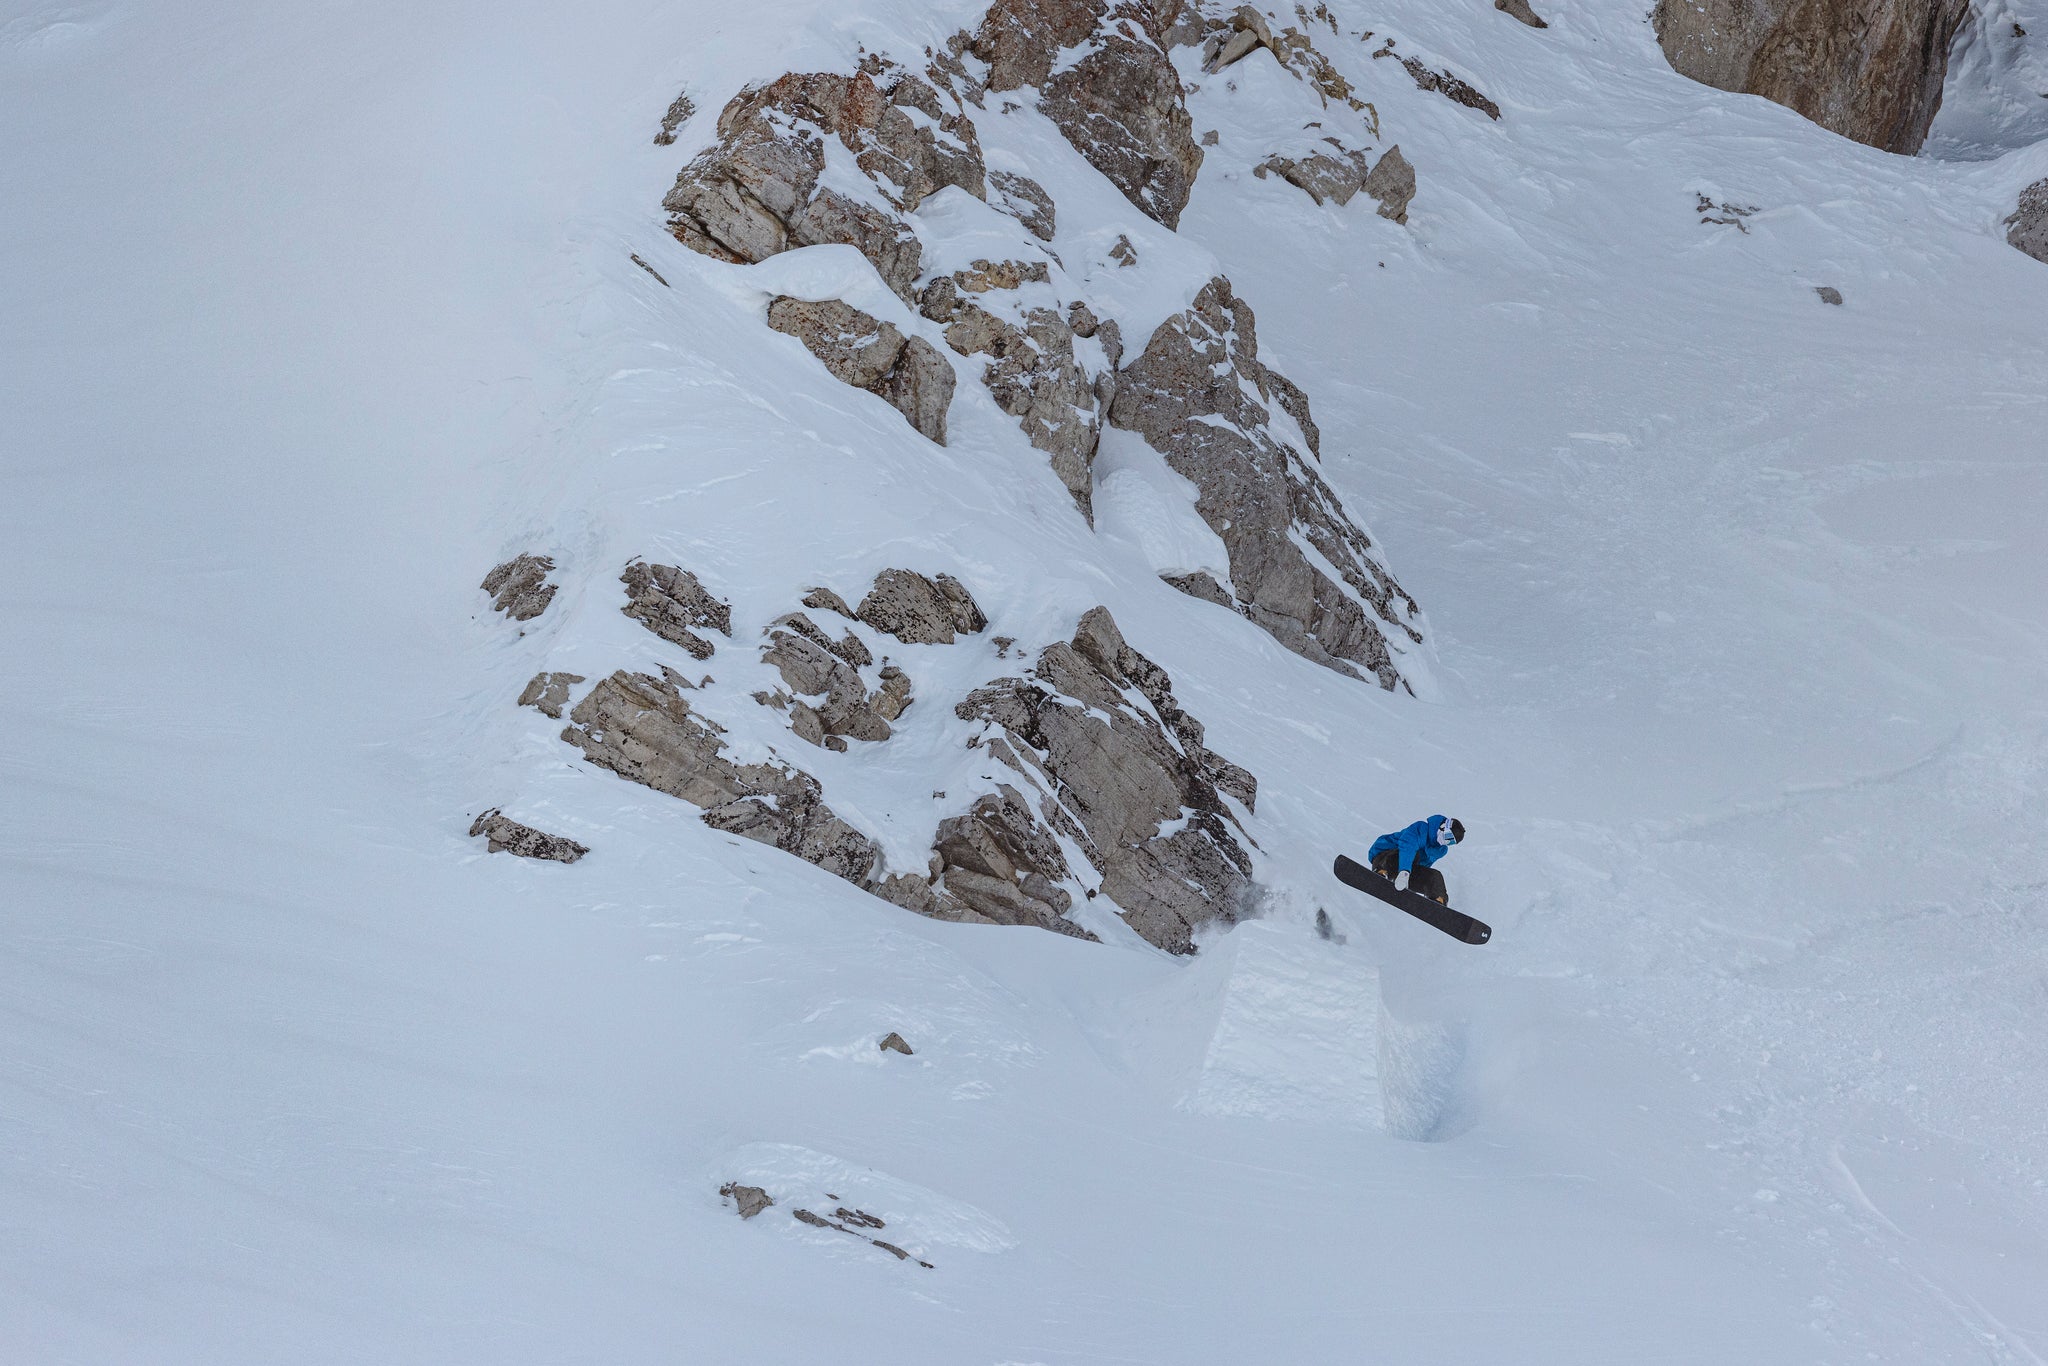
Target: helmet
{"type": "Point", "coordinates": [1456, 828]}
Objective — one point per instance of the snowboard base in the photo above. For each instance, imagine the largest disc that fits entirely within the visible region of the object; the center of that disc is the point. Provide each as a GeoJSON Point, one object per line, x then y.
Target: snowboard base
{"type": "Point", "coordinates": [1456, 924]}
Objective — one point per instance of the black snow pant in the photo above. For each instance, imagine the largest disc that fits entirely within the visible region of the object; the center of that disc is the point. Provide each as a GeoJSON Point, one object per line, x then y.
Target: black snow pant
{"type": "Point", "coordinates": [1428, 881]}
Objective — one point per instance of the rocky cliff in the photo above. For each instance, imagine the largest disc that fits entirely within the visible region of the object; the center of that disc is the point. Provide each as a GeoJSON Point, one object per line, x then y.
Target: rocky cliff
{"type": "Point", "coordinates": [1870, 70]}
{"type": "Point", "coordinates": [1078, 787]}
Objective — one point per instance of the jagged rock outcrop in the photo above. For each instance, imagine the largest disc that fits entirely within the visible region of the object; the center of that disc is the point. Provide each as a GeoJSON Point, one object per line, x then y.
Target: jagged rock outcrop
{"type": "Point", "coordinates": [503, 835]}
{"type": "Point", "coordinates": [1032, 370]}
{"type": "Point", "coordinates": [1201, 397]}
{"type": "Point", "coordinates": [829, 702]}
{"type": "Point", "coordinates": [751, 1200]}
{"type": "Point", "coordinates": [1340, 173]}
{"type": "Point", "coordinates": [1391, 184]}
{"type": "Point", "coordinates": [548, 693]}
{"type": "Point", "coordinates": [919, 611]}
{"type": "Point", "coordinates": [680, 111]}
{"type": "Point", "coordinates": [1232, 38]}
{"type": "Point", "coordinates": [672, 604]}
{"type": "Point", "coordinates": [642, 728]}
{"type": "Point", "coordinates": [1871, 70]}
{"type": "Point", "coordinates": [1520, 9]}
{"type": "Point", "coordinates": [1001, 863]}
{"type": "Point", "coordinates": [519, 587]}
{"type": "Point", "coordinates": [1105, 80]}
{"type": "Point", "coordinates": [2027, 229]}
{"type": "Point", "coordinates": [1323, 176]}
{"type": "Point", "coordinates": [1130, 783]}
{"type": "Point", "coordinates": [1453, 88]}
{"type": "Point", "coordinates": [1025, 200]}
{"type": "Point", "coordinates": [760, 189]}
{"type": "Point", "coordinates": [907, 373]}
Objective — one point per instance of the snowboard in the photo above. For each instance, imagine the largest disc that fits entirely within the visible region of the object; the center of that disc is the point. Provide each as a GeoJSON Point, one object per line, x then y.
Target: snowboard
{"type": "Point", "coordinates": [1456, 924]}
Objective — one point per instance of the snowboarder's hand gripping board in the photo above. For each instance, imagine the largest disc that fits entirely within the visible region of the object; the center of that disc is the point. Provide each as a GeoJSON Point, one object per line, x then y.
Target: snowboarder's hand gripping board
{"type": "Point", "coordinates": [1456, 924]}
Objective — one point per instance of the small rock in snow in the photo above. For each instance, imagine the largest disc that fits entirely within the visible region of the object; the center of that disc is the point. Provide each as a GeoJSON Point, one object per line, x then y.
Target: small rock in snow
{"type": "Point", "coordinates": [893, 1042]}
{"type": "Point", "coordinates": [751, 1199]}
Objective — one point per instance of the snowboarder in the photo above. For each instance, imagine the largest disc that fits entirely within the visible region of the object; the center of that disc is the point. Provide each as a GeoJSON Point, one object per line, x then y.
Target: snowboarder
{"type": "Point", "coordinates": [1414, 850]}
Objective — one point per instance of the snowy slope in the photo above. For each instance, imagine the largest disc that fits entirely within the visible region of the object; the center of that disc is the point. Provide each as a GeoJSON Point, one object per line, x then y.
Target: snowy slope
{"type": "Point", "coordinates": [1737, 606]}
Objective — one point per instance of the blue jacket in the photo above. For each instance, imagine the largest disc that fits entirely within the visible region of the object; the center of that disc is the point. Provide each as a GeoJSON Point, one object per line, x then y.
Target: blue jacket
{"type": "Point", "coordinates": [1417, 844]}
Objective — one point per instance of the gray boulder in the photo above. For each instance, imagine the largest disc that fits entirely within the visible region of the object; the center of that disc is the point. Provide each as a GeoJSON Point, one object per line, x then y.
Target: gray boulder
{"type": "Point", "coordinates": [672, 604]}
{"type": "Point", "coordinates": [1201, 397]}
{"type": "Point", "coordinates": [680, 111]}
{"type": "Point", "coordinates": [758, 191]}
{"type": "Point", "coordinates": [1323, 176]}
{"type": "Point", "coordinates": [2027, 229]}
{"type": "Point", "coordinates": [503, 835]}
{"type": "Point", "coordinates": [1871, 70]}
{"type": "Point", "coordinates": [519, 587]}
{"type": "Point", "coordinates": [1520, 9]}
{"type": "Point", "coordinates": [1118, 100]}
{"type": "Point", "coordinates": [1226, 40]}
{"type": "Point", "coordinates": [921, 611]}
{"type": "Point", "coordinates": [751, 1200]}
{"type": "Point", "coordinates": [1133, 787]}
{"type": "Point", "coordinates": [1456, 89]}
{"type": "Point", "coordinates": [548, 693]}
{"type": "Point", "coordinates": [1391, 184]}
{"type": "Point", "coordinates": [907, 373]}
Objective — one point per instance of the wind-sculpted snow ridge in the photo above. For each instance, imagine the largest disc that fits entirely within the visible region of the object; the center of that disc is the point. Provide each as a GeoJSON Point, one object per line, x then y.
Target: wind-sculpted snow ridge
{"type": "Point", "coordinates": [1048, 345]}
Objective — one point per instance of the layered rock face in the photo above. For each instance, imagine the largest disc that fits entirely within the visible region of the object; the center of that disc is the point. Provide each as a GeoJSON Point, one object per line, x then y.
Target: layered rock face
{"type": "Point", "coordinates": [1033, 369]}
{"type": "Point", "coordinates": [642, 728]}
{"type": "Point", "coordinates": [519, 587]}
{"type": "Point", "coordinates": [1104, 77]}
{"type": "Point", "coordinates": [1200, 396]}
{"type": "Point", "coordinates": [907, 373]}
{"type": "Point", "coordinates": [759, 190]}
{"type": "Point", "coordinates": [1132, 786]}
{"type": "Point", "coordinates": [1870, 70]}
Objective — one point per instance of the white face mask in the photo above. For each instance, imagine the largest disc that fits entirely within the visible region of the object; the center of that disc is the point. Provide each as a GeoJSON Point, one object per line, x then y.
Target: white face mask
{"type": "Point", "coordinates": [1444, 835]}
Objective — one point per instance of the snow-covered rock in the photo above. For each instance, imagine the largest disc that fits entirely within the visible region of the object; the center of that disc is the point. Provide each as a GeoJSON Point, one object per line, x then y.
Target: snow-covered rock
{"type": "Point", "coordinates": [1122, 772]}
{"type": "Point", "coordinates": [1299, 566]}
